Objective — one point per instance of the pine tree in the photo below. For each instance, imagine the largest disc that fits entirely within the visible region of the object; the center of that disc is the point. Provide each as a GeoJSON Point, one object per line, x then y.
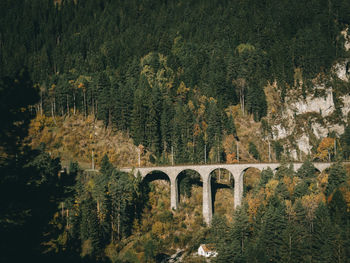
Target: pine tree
{"type": "Point", "coordinates": [265, 176]}
{"type": "Point", "coordinates": [254, 151]}
{"type": "Point", "coordinates": [166, 125]}
{"type": "Point", "coordinates": [307, 171]}
{"type": "Point", "coordinates": [89, 227]}
{"type": "Point", "coordinates": [230, 125]}
{"type": "Point", "coordinates": [273, 225]}
{"type": "Point", "coordinates": [120, 189]}
{"type": "Point", "coordinates": [241, 232]}
{"type": "Point", "coordinates": [104, 98]}
{"type": "Point", "coordinates": [345, 141]}
{"type": "Point", "coordinates": [138, 118]}
{"type": "Point", "coordinates": [323, 236]}
{"type": "Point", "coordinates": [336, 177]}
{"type": "Point", "coordinates": [153, 132]}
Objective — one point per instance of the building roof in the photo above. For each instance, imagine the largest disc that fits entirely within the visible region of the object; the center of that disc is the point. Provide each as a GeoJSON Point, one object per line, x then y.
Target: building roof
{"type": "Point", "coordinates": [208, 247]}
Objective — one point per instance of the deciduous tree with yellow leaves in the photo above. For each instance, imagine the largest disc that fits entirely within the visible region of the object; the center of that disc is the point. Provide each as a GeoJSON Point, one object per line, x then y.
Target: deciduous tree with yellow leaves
{"type": "Point", "coordinates": [325, 149]}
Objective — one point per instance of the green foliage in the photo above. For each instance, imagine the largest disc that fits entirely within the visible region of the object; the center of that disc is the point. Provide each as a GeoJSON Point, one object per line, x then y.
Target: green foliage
{"type": "Point", "coordinates": [169, 87]}
{"type": "Point", "coordinates": [133, 73]}
{"type": "Point", "coordinates": [150, 248]}
{"type": "Point", "coordinates": [254, 151]}
{"type": "Point", "coordinates": [16, 96]}
{"type": "Point", "coordinates": [265, 176]}
{"type": "Point", "coordinates": [345, 142]}
{"type": "Point", "coordinates": [323, 235]}
{"type": "Point", "coordinates": [278, 150]}
{"type": "Point", "coordinates": [284, 170]}
{"type": "Point", "coordinates": [337, 176]}
{"type": "Point", "coordinates": [30, 188]}
{"type": "Point", "coordinates": [187, 179]}
{"type": "Point", "coordinates": [296, 226]}
{"type": "Point", "coordinates": [307, 170]}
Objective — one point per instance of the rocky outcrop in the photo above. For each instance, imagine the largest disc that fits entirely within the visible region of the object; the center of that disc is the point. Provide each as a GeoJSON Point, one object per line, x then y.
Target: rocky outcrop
{"type": "Point", "coordinates": [307, 118]}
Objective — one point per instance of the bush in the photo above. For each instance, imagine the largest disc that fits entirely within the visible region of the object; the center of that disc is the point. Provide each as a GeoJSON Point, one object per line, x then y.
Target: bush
{"type": "Point", "coordinates": [254, 151]}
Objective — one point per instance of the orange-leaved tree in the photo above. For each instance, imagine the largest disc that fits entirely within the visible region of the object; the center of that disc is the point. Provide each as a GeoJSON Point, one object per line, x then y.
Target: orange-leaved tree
{"type": "Point", "coordinates": [325, 149]}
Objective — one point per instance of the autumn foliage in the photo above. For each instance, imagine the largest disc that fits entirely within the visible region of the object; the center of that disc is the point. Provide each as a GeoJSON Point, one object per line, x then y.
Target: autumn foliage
{"type": "Point", "coordinates": [325, 149]}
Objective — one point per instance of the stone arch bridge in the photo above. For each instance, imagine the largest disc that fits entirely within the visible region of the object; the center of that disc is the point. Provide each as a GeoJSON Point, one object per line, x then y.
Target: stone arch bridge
{"type": "Point", "coordinates": [236, 170]}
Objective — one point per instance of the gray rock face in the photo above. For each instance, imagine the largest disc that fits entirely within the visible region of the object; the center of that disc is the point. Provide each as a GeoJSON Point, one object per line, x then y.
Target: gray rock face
{"type": "Point", "coordinates": [317, 113]}
{"type": "Point", "coordinates": [313, 115]}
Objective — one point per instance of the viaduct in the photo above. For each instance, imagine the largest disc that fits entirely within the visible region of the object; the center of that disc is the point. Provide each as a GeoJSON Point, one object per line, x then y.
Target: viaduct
{"type": "Point", "coordinates": [237, 171]}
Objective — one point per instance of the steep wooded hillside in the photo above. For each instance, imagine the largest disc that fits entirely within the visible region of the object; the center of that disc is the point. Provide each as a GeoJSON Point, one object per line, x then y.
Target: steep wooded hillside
{"type": "Point", "coordinates": [168, 71]}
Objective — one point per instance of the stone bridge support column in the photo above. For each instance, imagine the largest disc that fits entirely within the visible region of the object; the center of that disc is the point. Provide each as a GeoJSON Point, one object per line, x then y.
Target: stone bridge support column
{"type": "Point", "coordinates": [237, 173]}
{"type": "Point", "coordinates": [238, 190]}
{"type": "Point", "coordinates": [207, 200]}
{"type": "Point", "coordinates": [174, 193]}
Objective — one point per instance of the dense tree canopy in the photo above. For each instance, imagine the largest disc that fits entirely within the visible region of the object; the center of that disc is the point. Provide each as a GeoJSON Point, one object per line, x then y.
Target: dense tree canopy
{"type": "Point", "coordinates": [166, 72]}
{"type": "Point", "coordinates": [138, 65]}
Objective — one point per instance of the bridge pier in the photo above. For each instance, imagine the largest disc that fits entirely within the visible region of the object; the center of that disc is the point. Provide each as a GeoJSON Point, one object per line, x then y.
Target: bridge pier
{"type": "Point", "coordinates": [237, 171]}
{"type": "Point", "coordinates": [174, 193]}
{"type": "Point", "coordinates": [238, 190]}
{"type": "Point", "coordinates": [207, 200]}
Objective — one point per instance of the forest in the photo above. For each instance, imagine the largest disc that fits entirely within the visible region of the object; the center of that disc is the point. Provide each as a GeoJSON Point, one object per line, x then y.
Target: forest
{"type": "Point", "coordinates": [171, 75]}
{"type": "Point", "coordinates": [191, 60]}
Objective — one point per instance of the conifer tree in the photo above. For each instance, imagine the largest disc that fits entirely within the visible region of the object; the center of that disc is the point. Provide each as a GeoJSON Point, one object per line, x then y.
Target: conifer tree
{"type": "Point", "coordinates": [273, 225]}
{"type": "Point", "coordinates": [104, 98]}
{"type": "Point", "coordinates": [336, 177]}
{"type": "Point", "coordinates": [323, 236]}
{"type": "Point", "coordinates": [138, 118]}
{"type": "Point", "coordinates": [153, 129]}
{"type": "Point", "coordinates": [89, 227]}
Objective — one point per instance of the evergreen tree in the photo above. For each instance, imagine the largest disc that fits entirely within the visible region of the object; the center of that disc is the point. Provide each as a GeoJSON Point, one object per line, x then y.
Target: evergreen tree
{"type": "Point", "coordinates": [153, 132]}
{"type": "Point", "coordinates": [240, 233]}
{"type": "Point", "coordinates": [104, 98]}
{"type": "Point", "coordinates": [278, 150]}
{"type": "Point", "coordinates": [138, 119]}
{"type": "Point", "coordinates": [29, 186]}
{"type": "Point", "coordinates": [345, 142]}
{"type": "Point", "coordinates": [230, 125]}
{"type": "Point", "coordinates": [265, 176]}
{"type": "Point", "coordinates": [166, 125]}
{"type": "Point", "coordinates": [270, 236]}
{"type": "Point", "coordinates": [336, 177]}
{"type": "Point", "coordinates": [307, 171]}
{"type": "Point", "coordinates": [254, 151]}
{"type": "Point", "coordinates": [89, 228]}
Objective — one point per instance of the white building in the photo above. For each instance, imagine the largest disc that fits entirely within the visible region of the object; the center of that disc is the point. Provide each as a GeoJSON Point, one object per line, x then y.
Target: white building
{"type": "Point", "coordinates": [207, 250]}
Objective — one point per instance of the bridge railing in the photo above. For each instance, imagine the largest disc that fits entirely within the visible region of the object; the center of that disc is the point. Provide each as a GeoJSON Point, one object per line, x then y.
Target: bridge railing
{"type": "Point", "coordinates": [218, 164]}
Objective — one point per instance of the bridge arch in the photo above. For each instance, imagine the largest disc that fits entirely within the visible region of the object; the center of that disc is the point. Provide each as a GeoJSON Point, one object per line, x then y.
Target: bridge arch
{"type": "Point", "coordinates": [249, 177]}
{"type": "Point", "coordinates": [222, 188]}
{"type": "Point", "coordinates": [237, 170]}
{"type": "Point", "coordinates": [158, 183]}
{"type": "Point", "coordinates": [155, 175]}
{"type": "Point", "coordinates": [185, 180]}
{"type": "Point", "coordinates": [191, 170]}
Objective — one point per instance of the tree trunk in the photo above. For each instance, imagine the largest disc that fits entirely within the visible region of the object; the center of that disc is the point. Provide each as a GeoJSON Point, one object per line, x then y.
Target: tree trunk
{"type": "Point", "coordinates": [41, 103]}
{"type": "Point", "coordinates": [74, 103]}
{"type": "Point", "coordinates": [242, 99]}
{"type": "Point", "coordinates": [62, 209]}
{"type": "Point", "coordinates": [67, 215]}
{"type": "Point", "coordinates": [93, 106]}
{"type": "Point", "coordinates": [118, 221]}
{"type": "Point", "coordinates": [109, 117]}
{"type": "Point", "coordinates": [96, 107]}
{"type": "Point", "coordinates": [112, 230]}
{"type": "Point", "coordinates": [52, 113]}
{"type": "Point", "coordinates": [85, 104]}
{"type": "Point", "coordinates": [67, 106]}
